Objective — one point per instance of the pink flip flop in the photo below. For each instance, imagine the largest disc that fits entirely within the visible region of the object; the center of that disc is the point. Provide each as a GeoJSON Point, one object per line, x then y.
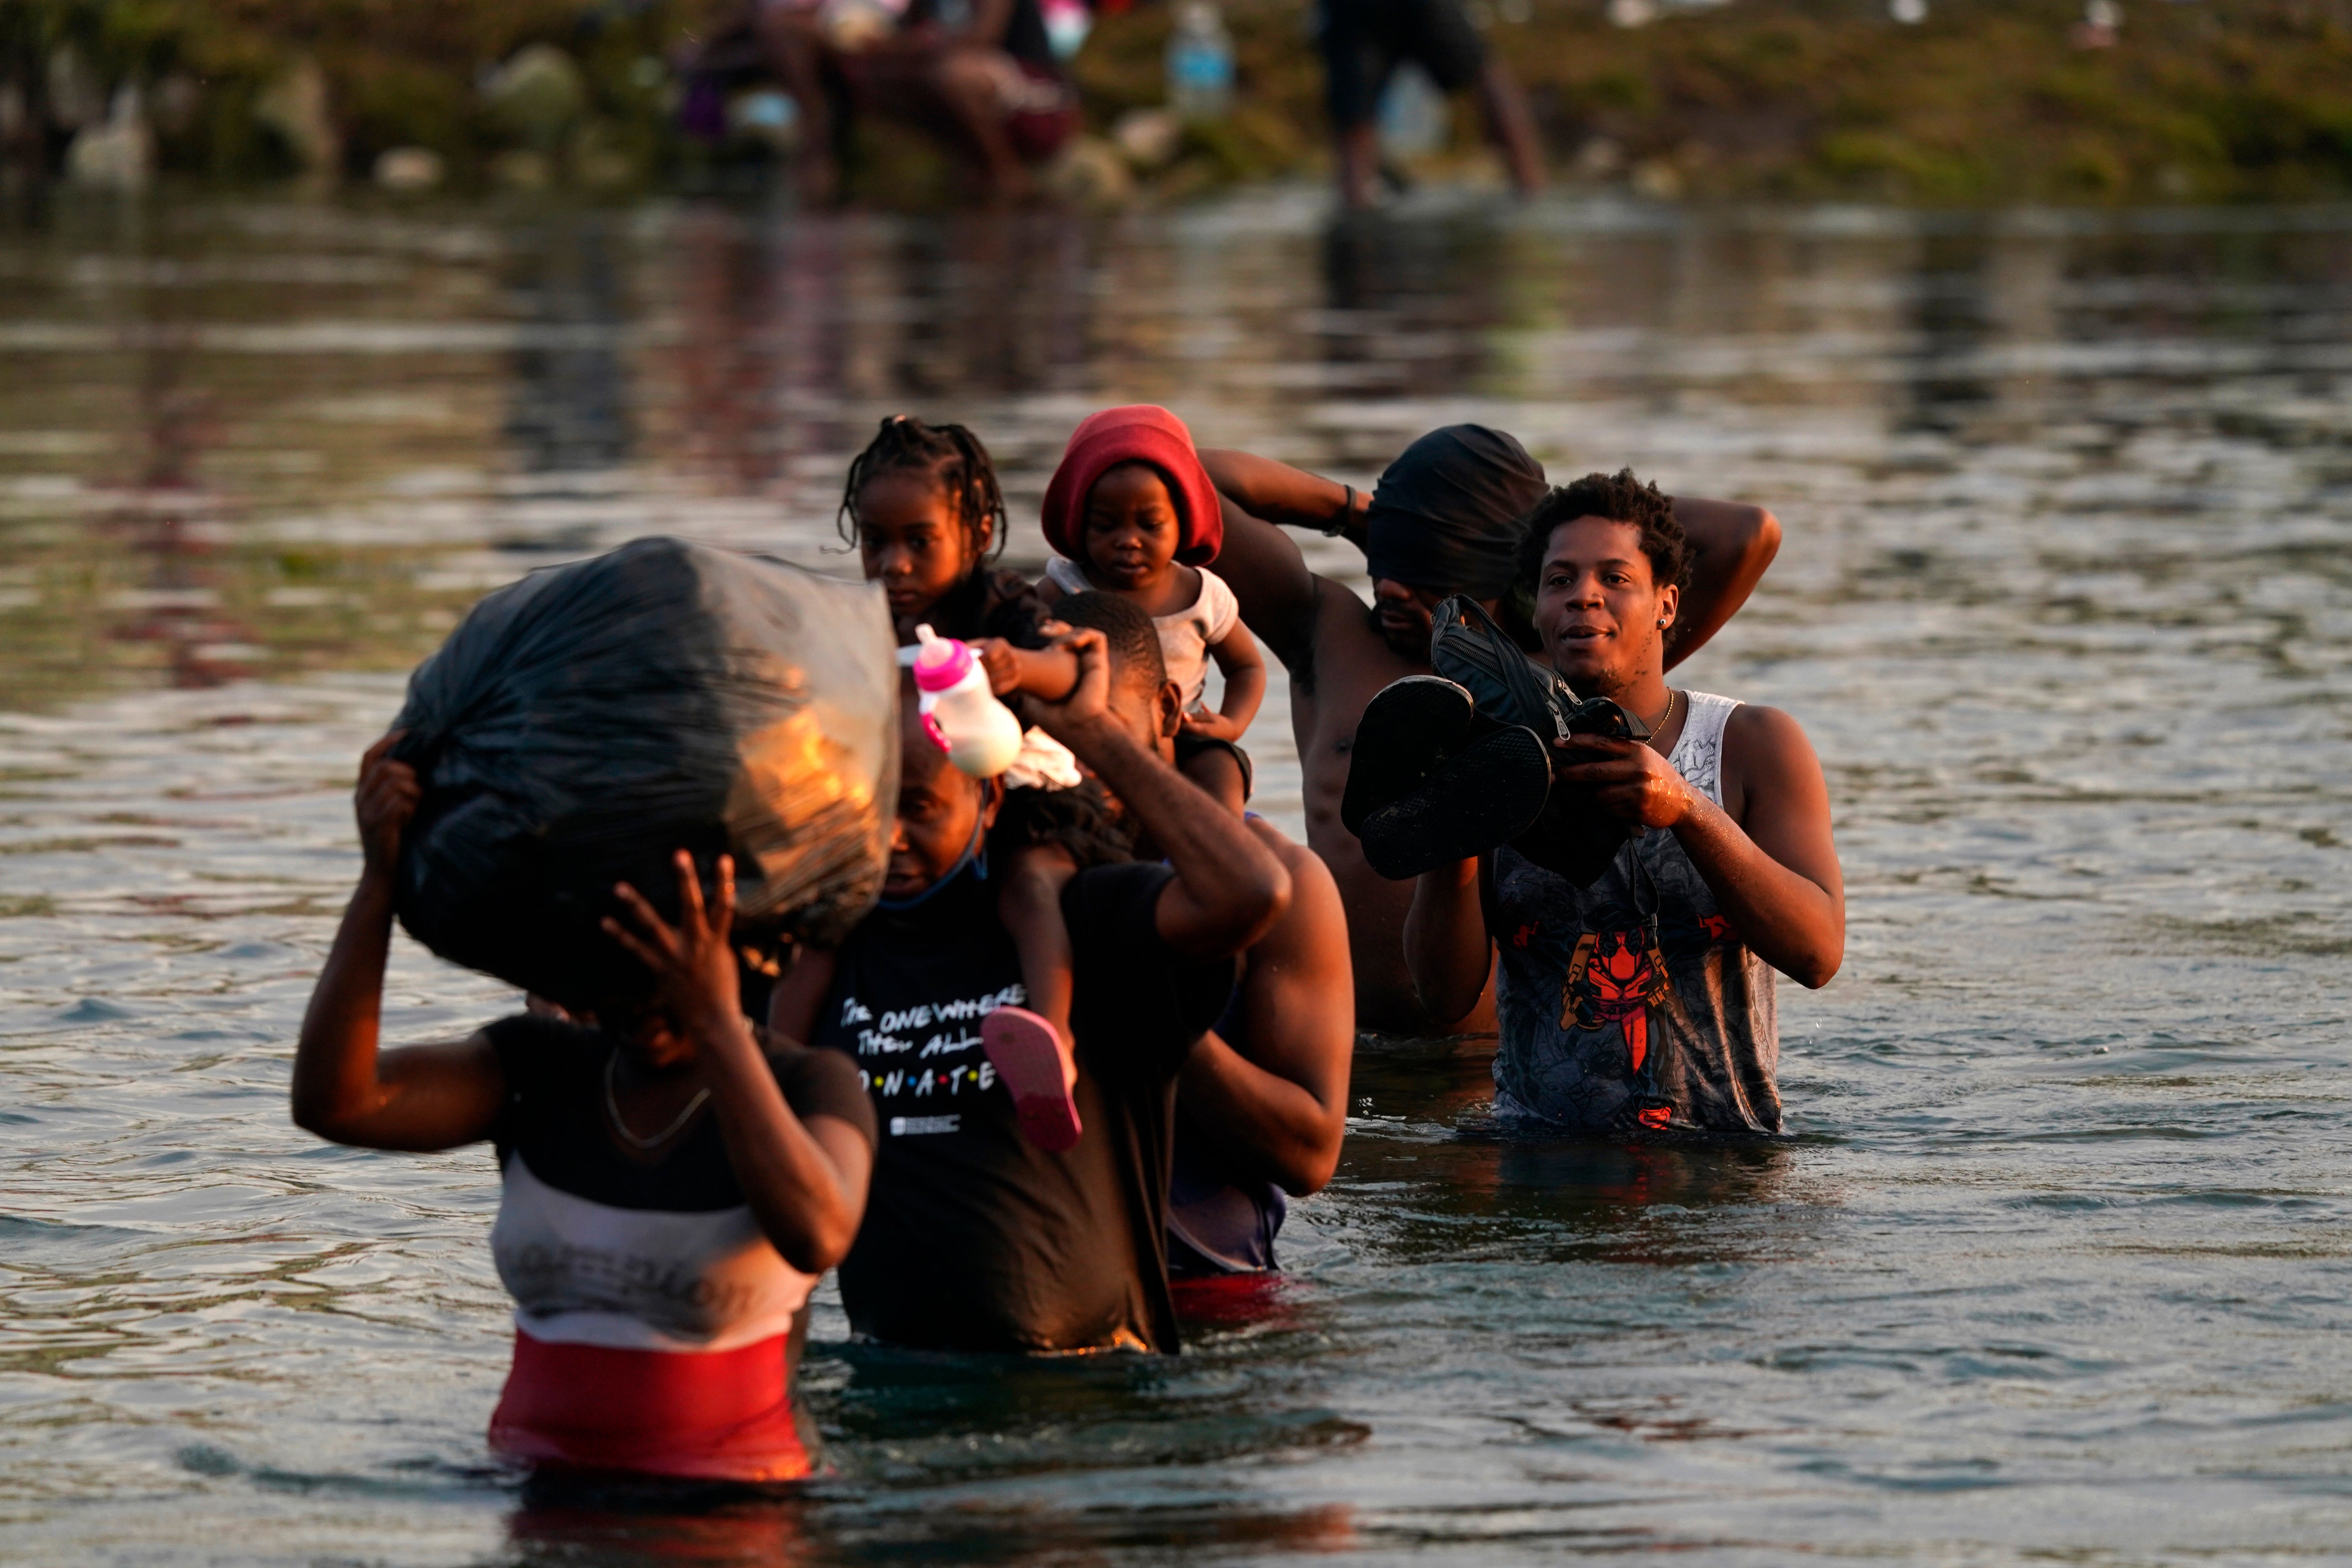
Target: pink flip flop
{"type": "Point", "coordinates": [1022, 1048]}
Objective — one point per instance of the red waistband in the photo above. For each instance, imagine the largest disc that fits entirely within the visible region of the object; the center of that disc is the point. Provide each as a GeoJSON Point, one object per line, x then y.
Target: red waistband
{"type": "Point", "coordinates": [722, 1414]}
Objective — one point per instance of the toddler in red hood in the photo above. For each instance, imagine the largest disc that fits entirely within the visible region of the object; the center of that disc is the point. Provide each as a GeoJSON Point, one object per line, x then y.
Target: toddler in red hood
{"type": "Point", "coordinates": [1132, 512]}
{"type": "Point", "coordinates": [1135, 518]}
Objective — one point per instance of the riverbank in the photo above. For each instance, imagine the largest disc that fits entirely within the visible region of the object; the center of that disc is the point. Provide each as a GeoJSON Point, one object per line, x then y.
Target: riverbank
{"type": "Point", "coordinates": [1998, 100]}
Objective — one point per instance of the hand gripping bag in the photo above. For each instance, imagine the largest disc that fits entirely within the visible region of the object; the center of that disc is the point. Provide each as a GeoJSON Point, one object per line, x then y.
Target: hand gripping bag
{"type": "Point", "coordinates": [582, 725]}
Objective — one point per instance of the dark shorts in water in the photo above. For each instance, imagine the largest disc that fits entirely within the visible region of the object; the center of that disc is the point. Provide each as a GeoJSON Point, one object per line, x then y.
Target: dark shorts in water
{"type": "Point", "coordinates": [1217, 1224]}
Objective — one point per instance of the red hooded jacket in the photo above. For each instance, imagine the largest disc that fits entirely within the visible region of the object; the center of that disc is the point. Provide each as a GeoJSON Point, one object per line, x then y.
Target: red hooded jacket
{"type": "Point", "coordinates": [1145, 433]}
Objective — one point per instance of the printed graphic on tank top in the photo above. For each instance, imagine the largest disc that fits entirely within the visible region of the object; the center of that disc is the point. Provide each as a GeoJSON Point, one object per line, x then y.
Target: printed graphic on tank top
{"type": "Point", "coordinates": [974, 1238]}
{"type": "Point", "coordinates": [656, 1329]}
{"type": "Point", "coordinates": [1631, 1005]}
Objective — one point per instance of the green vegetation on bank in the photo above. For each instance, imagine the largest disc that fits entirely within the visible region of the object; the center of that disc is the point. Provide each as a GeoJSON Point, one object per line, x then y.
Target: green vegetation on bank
{"type": "Point", "coordinates": [1985, 101]}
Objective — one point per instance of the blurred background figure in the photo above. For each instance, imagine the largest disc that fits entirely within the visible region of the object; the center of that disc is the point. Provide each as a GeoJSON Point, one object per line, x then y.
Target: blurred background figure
{"type": "Point", "coordinates": [981, 76]}
{"type": "Point", "coordinates": [1364, 42]}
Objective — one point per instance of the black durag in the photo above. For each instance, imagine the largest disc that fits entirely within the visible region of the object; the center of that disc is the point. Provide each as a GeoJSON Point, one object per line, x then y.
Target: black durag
{"type": "Point", "coordinates": [1446, 514]}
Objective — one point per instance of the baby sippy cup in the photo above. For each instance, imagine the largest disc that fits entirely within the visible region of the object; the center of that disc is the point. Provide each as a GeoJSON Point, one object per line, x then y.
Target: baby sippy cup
{"type": "Point", "coordinates": [960, 714]}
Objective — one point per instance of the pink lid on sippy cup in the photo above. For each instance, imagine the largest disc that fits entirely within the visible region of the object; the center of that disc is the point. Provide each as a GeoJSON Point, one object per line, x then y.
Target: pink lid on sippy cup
{"type": "Point", "coordinates": [940, 662]}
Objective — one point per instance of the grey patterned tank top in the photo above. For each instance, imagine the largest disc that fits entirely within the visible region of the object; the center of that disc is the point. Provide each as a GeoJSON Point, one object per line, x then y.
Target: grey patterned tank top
{"type": "Point", "coordinates": [1631, 1004]}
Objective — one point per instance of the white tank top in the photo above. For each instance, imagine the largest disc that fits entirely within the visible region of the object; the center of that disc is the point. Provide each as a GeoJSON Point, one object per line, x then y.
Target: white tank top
{"type": "Point", "coordinates": [1631, 1004]}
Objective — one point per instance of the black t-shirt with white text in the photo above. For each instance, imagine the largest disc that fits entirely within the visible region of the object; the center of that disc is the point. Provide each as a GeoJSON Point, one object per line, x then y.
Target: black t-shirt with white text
{"type": "Point", "coordinates": [974, 1238]}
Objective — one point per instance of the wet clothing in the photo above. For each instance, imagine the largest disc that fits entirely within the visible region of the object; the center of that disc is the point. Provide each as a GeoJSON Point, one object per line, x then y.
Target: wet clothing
{"type": "Point", "coordinates": [1220, 1222]}
{"type": "Point", "coordinates": [656, 1328]}
{"type": "Point", "coordinates": [1631, 1004]}
{"type": "Point", "coordinates": [1364, 40]}
{"type": "Point", "coordinates": [976, 1240]}
{"type": "Point", "coordinates": [1446, 513]}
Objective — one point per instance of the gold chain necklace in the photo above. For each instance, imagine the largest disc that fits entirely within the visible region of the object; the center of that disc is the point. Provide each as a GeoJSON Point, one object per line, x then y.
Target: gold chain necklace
{"type": "Point", "coordinates": [1665, 718]}
{"type": "Point", "coordinates": [612, 1104]}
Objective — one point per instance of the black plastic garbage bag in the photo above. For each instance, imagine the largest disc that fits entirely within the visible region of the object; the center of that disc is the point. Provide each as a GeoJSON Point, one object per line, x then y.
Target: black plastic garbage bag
{"type": "Point", "coordinates": [582, 725]}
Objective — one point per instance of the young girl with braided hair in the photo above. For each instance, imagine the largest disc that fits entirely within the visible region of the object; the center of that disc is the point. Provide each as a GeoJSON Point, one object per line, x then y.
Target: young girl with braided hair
{"type": "Point", "coordinates": [923, 507]}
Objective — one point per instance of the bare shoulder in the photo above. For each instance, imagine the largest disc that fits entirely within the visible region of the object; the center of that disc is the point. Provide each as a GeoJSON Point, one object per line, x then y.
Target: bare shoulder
{"type": "Point", "coordinates": [1346, 637]}
{"type": "Point", "coordinates": [1310, 941]}
{"type": "Point", "coordinates": [1767, 758]}
{"type": "Point", "coordinates": [1306, 867]}
{"type": "Point", "coordinates": [1754, 732]}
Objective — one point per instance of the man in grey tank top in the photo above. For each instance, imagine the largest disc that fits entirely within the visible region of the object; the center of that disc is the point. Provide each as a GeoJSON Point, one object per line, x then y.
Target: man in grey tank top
{"type": "Point", "coordinates": [1643, 1002]}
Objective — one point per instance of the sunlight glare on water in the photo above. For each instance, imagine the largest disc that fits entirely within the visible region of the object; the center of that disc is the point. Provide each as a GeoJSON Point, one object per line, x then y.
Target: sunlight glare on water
{"type": "Point", "coordinates": [2056, 1263]}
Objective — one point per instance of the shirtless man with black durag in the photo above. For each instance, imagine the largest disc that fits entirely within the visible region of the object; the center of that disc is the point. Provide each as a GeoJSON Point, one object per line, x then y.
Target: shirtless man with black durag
{"type": "Point", "coordinates": [1444, 520]}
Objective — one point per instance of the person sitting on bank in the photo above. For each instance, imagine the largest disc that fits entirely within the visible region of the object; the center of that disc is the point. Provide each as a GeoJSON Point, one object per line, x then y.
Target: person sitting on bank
{"type": "Point", "coordinates": [671, 1185]}
{"type": "Point", "coordinates": [983, 77]}
{"type": "Point", "coordinates": [1644, 1001]}
{"type": "Point", "coordinates": [976, 1238]}
{"type": "Point", "coordinates": [1445, 519]}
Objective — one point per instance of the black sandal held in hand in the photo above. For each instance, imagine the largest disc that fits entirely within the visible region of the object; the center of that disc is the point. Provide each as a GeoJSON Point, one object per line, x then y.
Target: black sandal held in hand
{"type": "Point", "coordinates": [1466, 646]}
{"type": "Point", "coordinates": [1571, 836]}
{"type": "Point", "coordinates": [1430, 781]}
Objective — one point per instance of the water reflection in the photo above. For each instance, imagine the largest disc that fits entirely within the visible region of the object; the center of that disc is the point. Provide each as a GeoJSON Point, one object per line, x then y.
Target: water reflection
{"type": "Point", "coordinates": [1953, 314]}
{"type": "Point", "coordinates": [930, 1445]}
{"type": "Point", "coordinates": [569, 408]}
{"type": "Point", "coordinates": [2064, 605]}
{"type": "Point", "coordinates": [170, 521]}
{"type": "Point", "coordinates": [585, 1523]}
{"type": "Point", "coordinates": [1409, 304]}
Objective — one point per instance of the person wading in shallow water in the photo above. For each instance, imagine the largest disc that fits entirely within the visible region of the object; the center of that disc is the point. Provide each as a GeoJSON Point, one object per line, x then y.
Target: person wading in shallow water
{"type": "Point", "coordinates": [1262, 1103]}
{"type": "Point", "coordinates": [672, 1185]}
{"type": "Point", "coordinates": [1445, 519]}
{"type": "Point", "coordinates": [977, 1239]}
{"type": "Point", "coordinates": [1644, 1001]}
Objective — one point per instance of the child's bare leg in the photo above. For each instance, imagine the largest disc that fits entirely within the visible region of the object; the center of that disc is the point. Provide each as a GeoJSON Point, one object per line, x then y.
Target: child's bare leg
{"type": "Point", "coordinates": [1030, 907]}
{"type": "Point", "coordinates": [1214, 769]}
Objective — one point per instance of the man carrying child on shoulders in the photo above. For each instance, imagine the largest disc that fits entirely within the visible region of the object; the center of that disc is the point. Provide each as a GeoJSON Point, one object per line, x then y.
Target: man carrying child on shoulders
{"type": "Point", "coordinates": [976, 1238]}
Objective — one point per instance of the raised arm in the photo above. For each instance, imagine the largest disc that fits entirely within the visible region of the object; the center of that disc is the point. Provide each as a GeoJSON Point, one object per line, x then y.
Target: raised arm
{"type": "Point", "coordinates": [1279, 596]}
{"type": "Point", "coordinates": [1278, 493]}
{"type": "Point", "coordinates": [1228, 887]}
{"type": "Point", "coordinates": [417, 1097]}
{"type": "Point", "coordinates": [1447, 950]}
{"type": "Point", "coordinates": [805, 1181]}
{"type": "Point", "coordinates": [1276, 1104]}
{"type": "Point", "coordinates": [1731, 545]}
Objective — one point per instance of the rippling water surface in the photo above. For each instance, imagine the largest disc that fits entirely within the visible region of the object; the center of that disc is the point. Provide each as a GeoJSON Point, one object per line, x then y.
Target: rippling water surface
{"type": "Point", "coordinates": [2055, 1266]}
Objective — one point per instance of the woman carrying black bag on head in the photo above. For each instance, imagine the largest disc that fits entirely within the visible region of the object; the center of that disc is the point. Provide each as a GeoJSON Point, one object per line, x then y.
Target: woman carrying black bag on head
{"type": "Point", "coordinates": [673, 1182]}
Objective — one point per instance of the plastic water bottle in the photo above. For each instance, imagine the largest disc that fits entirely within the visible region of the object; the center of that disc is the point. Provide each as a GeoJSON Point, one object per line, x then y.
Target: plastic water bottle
{"type": "Point", "coordinates": [1199, 63]}
{"type": "Point", "coordinates": [1414, 118]}
{"type": "Point", "coordinates": [1067, 23]}
{"type": "Point", "coordinates": [960, 714]}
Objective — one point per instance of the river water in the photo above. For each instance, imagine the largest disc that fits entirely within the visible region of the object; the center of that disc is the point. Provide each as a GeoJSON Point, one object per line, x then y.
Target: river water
{"type": "Point", "coordinates": [2056, 1265]}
